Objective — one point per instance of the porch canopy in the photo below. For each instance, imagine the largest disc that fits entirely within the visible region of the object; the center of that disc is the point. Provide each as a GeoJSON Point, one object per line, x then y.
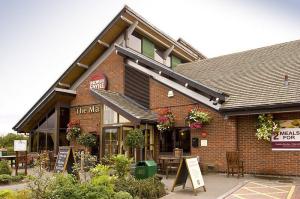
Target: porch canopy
{"type": "Point", "coordinates": [125, 106]}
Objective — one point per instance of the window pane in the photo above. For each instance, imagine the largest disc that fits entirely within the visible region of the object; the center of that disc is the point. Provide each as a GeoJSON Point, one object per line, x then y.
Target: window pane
{"type": "Point", "coordinates": [135, 43]}
{"type": "Point", "coordinates": [109, 116]}
{"type": "Point", "coordinates": [148, 48]}
{"type": "Point", "coordinates": [175, 61]}
{"type": "Point", "coordinates": [123, 119]}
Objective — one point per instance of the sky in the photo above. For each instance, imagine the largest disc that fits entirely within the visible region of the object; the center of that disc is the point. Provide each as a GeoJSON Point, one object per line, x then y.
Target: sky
{"type": "Point", "coordinates": [39, 40]}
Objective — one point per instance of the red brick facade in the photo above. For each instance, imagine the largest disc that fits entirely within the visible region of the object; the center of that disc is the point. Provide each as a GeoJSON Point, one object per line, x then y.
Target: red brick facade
{"type": "Point", "coordinates": [113, 68]}
{"type": "Point", "coordinates": [234, 133]}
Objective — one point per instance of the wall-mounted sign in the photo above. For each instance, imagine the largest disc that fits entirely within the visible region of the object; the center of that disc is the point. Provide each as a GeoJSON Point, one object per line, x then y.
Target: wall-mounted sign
{"type": "Point", "coordinates": [20, 145]}
{"type": "Point", "coordinates": [288, 138]}
{"type": "Point", "coordinates": [203, 134]}
{"type": "Point", "coordinates": [87, 109]}
{"type": "Point", "coordinates": [203, 142]}
{"type": "Point", "coordinates": [98, 82]}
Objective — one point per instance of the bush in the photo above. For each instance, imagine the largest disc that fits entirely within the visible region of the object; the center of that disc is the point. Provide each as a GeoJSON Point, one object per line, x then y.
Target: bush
{"type": "Point", "coordinates": [100, 170]}
{"type": "Point", "coordinates": [147, 188]}
{"type": "Point", "coordinates": [6, 194]}
{"type": "Point", "coordinates": [5, 179]}
{"type": "Point", "coordinates": [87, 140]}
{"type": "Point", "coordinates": [121, 164]}
{"type": "Point", "coordinates": [17, 178]}
{"type": "Point", "coordinates": [4, 168]}
{"type": "Point", "coordinates": [122, 195]}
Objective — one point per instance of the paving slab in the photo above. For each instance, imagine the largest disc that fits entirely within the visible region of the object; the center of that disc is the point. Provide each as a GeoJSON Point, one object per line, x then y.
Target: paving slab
{"type": "Point", "coordinates": [219, 186]}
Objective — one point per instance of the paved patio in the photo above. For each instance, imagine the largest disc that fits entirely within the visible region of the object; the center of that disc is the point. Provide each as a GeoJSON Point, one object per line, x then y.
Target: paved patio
{"type": "Point", "coordinates": [218, 186]}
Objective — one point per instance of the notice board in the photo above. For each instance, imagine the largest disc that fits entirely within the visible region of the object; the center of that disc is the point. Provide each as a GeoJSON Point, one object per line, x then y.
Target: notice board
{"type": "Point", "coordinates": [189, 167]}
{"type": "Point", "coordinates": [65, 159]}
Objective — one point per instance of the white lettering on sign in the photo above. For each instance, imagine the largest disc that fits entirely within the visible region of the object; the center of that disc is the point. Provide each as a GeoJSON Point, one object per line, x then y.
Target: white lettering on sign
{"type": "Point", "coordinates": [98, 82]}
{"type": "Point", "coordinates": [89, 109]}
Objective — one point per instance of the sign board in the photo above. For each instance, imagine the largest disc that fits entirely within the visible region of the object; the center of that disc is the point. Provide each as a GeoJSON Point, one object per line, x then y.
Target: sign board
{"type": "Point", "coordinates": [288, 138]}
{"type": "Point", "coordinates": [203, 142]}
{"type": "Point", "coordinates": [189, 167]}
{"type": "Point", "coordinates": [98, 82]}
{"type": "Point", "coordinates": [63, 160]}
{"type": "Point", "coordinates": [20, 145]}
{"type": "Point", "coordinates": [87, 109]}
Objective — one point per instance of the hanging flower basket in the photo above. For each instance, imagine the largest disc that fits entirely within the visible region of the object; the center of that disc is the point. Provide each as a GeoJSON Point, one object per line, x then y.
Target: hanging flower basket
{"type": "Point", "coordinates": [166, 120]}
{"type": "Point", "coordinates": [266, 126]}
{"type": "Point", "coordinates": [73, 130]}
{"type": "Point", "coordinates": [196, 118]}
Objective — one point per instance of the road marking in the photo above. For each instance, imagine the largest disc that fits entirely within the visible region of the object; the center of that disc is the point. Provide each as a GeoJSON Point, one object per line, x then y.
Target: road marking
{"type": "Point", "coordinates": [291, 193]}
{"type": "Point", "coordinates": [259, 193]}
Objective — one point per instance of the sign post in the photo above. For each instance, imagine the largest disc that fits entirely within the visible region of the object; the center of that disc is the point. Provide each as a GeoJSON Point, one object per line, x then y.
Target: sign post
{"type": "Point", "coordinates": [189, 167]}
{"type": "Point", "coordinates": [20, 145]}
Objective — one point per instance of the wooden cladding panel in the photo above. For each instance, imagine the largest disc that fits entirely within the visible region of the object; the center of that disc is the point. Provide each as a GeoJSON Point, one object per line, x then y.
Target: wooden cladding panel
{"type": "Point", "coordinates": [137, 86]}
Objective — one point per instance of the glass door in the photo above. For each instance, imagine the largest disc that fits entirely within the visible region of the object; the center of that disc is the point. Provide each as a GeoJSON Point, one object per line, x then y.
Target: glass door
{"type": "Point", "coordinates": [111, 144]}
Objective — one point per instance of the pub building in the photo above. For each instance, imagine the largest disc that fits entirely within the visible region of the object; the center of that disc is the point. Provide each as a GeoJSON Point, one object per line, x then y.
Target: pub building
{"type": "Point", "coordinates": [132, 71]}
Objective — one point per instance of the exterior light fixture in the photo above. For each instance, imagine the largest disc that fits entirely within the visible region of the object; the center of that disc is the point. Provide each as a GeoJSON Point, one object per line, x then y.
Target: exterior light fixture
{"type": "Point", "coordinates": [159, 72]}
{"type": "Point", "coordinates": [170, 93]}
{"type": "Point", "coordinates": [216, 101]}
{"type": "Point", "coordinates": [136, 61]}
{"type": "Point", "coordinates": [186, 85]}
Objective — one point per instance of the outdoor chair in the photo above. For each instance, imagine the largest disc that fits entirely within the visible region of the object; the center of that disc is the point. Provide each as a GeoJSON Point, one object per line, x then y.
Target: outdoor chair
{"type": "Point", "coordinates": [233, 162]}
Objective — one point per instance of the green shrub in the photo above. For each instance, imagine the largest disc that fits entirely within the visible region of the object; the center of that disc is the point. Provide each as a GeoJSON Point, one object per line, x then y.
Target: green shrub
{"type": "Point", "coordinates": [123, 195]}
{"type": "Point", "coordinates": [5, 179]}
{"type": "Point", "coordinates": [10, 194]}
{"type": "Point", "coordinates": [6, 194]}
{"type": "Point", "coordinates": [121, 164]}
{"type": "Point", "coordinates": [100, 169]}
{"type": "Point", "coordinates": [147, 188]}
{"type": "Point", "coordinates": [87, 140]}
{"type": "Point", "coordinates": [5, 168]}
{"type": "Point", "coordinates": [17, 178]}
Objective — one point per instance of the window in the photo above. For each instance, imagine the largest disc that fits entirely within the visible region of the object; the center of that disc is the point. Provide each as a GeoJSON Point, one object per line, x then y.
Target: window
{"type": "Point", "coordinates": [175, 61]}
{"type": "Point", "coordinates": [109, 116]}
{"type": "Point", "coordinates": [112, 117]}
{"type": "Point", "coordinates": [147, 48]}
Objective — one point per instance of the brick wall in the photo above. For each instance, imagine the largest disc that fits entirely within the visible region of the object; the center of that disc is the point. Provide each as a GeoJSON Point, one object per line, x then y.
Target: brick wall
{"type": "Point", "coordinates": [113, 68]}
{"type": "Point", "coordinates": [221, 132]}
{"type": "Point", "coordinates": [258, 155]}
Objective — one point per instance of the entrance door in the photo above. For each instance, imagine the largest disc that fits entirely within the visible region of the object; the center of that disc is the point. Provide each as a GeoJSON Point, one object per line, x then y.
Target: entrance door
{"type": "Point", "coordinates": [111, 144]}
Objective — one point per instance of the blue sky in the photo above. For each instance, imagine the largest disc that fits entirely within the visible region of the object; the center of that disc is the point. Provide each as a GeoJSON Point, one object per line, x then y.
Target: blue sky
{"type": "Point", "coordinates": [40, 39]}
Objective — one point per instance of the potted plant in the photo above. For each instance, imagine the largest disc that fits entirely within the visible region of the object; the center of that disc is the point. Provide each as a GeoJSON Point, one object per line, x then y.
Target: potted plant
{"type": "Point", "coordinates": [73, 130]}
{"type": "Point", "coordinates": [87, 140]}
{"type": "Point", "coordinates": [135, 139]}
{"type": "Point", "coordinates": [197, 118]}
{"type": "Point", "coordinates": [166, 120]}
{"type": "Point", "coordinates": [266, 126]}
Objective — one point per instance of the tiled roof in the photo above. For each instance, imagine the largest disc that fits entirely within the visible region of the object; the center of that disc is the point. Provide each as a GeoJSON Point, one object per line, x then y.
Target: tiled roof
{"type": "Point", "coordinates": [251, 78]}
{"type": "Point", "coordinates": [125, 106]}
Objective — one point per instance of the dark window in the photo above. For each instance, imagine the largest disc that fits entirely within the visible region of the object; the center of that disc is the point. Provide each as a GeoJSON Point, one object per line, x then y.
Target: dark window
{"type": "Point", "coordinates": [137, 86]}
{"type": "Point", "coordinates": [179, 138]}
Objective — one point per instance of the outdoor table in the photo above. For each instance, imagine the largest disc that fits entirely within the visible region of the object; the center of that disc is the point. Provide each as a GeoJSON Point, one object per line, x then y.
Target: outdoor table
{"type": "Point", "coordinates": [166, 159]}
{"type": "Point", "coordinates": [9, 157]}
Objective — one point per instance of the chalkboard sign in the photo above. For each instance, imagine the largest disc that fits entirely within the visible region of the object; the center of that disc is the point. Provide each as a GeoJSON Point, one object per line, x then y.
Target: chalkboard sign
{"type": "Point", "coordinates": [63, 160]}
{"type": "Point", "coordinates": [189, 167]}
